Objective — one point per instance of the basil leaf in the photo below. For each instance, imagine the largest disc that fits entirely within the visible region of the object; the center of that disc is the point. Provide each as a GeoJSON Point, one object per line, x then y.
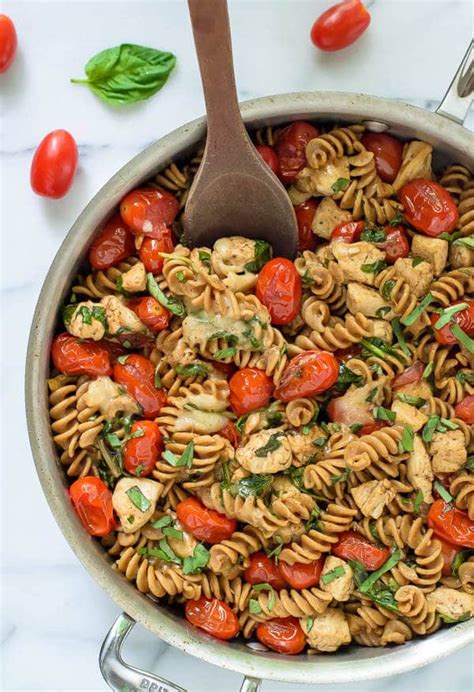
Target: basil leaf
{"type": "Point", "coordinates": [181, 278]}
{"type": "Point", "coordinates": [416, 261]}
{"type": "Point", "coordinates": [122, 359]}
{"type": "Point", "coordinates": [194, 564]}
{"type": "Point", "coordinates": [256, 484]}
{"type": "Point", "coordinates": [459, 559]}
{"type": "Point", "coordinates": [157, 378]}
{"type": "Point", "coordinates": [340, 185]}
{"type": "Point", "coordinates": [186, 458]}
{"type": "Point", "coordinates": [160, 523]}
{"type": "Point", "coordinates": [174, 533]}
{"type": "Point", "coordinates": [408, 437]}
{"type": "Point", "coordinates": [442, 492]}
{"type": "Point", "coordinates": [397, 330]}
{"type": "Point", "coordinates": [429, 428]}
{"type": "Point", "coordinates": [262, 255]}
{"type": "Point", "coordinates": [448, 313]}
{"type": "Point", "coordinates": [381, 312]}
{"type": "Point", "coordinates": [225, 353]}
{"type": "Point", "coordinates": [138, 498]}
{"type": "Point", "coordinates": [380, 348]}
{"type": "Point", "coordinates": [356, 427]}
{"type": "Point", "coordinates": [368, 583]}
{"type": "Point", "coordinates": [419, 499]}
{"type": "Point", "coordinates": [267, 587]}
{"type": "Point", "coordinates": [254, 607]}
{"type": "Point", "coordinates": [450, 621]}
{"type": "Point", "coordinates": [381, 413]}
{"type": "Point", "coordinates": [275, 552]}
{"type": "Point", "coordinates": [412, 400]}
{"type": "Point", "coordinates": [467, 242]}
{"type": "Point", "coordinates": [309, 624]}
{"type": "Point", "coordinates": [191, 370]}
{"type": "Point", "coordinates": [139, 470]}
{"type": "Point", "coordinates": [68, 312]}
{"type": "Point", "coordinates": [173, 304]}
{"type": "Point", "coordinates": [360, 573]}
{"type": "Point", "coordinates": [271, 445]}
{"type": "Point", "coordinates": [399, 218]}
{"type": "Point", "coordinates": [418, 311]}
{"type": "Point", "coordinates": [372, 394]}
{"type": "Point", "coordinates": [469, 465]}
{"type": "Point", "coordinates": [428, 370]}
{"type": "Point", "coordinates": [374, 234]}
{"type": "Point", "coordinates": [332, 574]}
{"type": "Point", "coordinates": [127, 73]}
{"type": "Point", "coordinates": [462, 337]}
{"type": "Point", "coordinates": [348, 377]}
{"type": "Point", "coordinates": [387, 289]}
{"type": "Point", "coordinates": [374, 267]}
{"type": "Point", "coordinates": [205, 258]}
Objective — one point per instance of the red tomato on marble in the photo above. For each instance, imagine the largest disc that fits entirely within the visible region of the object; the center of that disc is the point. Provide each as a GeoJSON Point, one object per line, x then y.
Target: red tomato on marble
{"type": "Point", "coordinates": [54, 165]}
{"type": "Point", "coordinates": [340, 25]}
{"type": "Point", "coordinates": [8, 42]}
{"type": "Point", "coordinates": [279, 288]}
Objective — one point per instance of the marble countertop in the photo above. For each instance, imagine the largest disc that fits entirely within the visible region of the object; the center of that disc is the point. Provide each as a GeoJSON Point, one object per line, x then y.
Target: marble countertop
{"type": "Point", "coordinates": [54, 616]}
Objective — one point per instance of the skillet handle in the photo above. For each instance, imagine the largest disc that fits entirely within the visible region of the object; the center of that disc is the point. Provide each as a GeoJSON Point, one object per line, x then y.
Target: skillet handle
{"type": "Point", "coordinates": [459, 96]}
{"type": "Point", "coordinates": [121, 677]}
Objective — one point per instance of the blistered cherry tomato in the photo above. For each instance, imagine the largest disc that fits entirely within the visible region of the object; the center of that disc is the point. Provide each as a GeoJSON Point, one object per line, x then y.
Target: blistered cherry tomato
{"type": "Point", "coordinates": [465, 409]}
{"type": "Point", "coordinates": [395, 244]}
{"type": "Point", "coordinates": [114, 349]}
{"type": "Point", "coordinates": [149, 210]}
{"type": "Point", "coordinates": [464, 318]}
{"type": "Point", "coordinates": [227, 369]}
{"type": "Point", "coordinates": [54, 164]}
{"type": "Point", "coordinates": [143, 448]}
{"type": "Point", "coordinates": [152, 313]}
{"type": "Point", "coordinates": [409, 376]}
{"type": "Point", "coordinates": [204, 524]}
{"type": "Point", "coordinates": [263, 570]}
{"type": "Point", "coordinates": [268, 154]}
{"type": "Point", "coordinates": [387, 151]}
{"type": "Point", "coordinates": [307, 374]}
{"type": "Point", "coordinates": [448, 553]}
{"type": "Point", "coordinates": [345, 354]}
{"type": "Point", "coordinates": [230, 432]}
{"type": "Point", "coordinates": [279, 289]}
{"type": "Point", "coordinates": [340, 25]}
{"type": "Point", "coordinates": [213, 616]}
{"type": "Point", "coordinates": [92, 501]}
{"type": "Point", "coordinates": [250, 388]}
{"type": "Point", "coordinates": [371, 427]}
{"type": "Point", "coordinates": [290, 147]}
{"type": "Point", "coordinates": [301, 576]}
{"type": "Point", "coordinates": [73, 356]}
{"type": "Point", "coordinates": [451, 524]}
{"type": "Point", "coordinates": [8, 42]}
{"type": "Point", "coordinates": [137, 375]}
{"type": "Point", "coordinates": [150, 249]}
{"type": "Point", "coordinates": [304, 217]}
{"type": "Point", "coordinates": [113, 244]}
{"type": "Point", "coordinates": [355, 546]}
{"type": "Point", "coordinates": [348, 232]}
{"type": "Point", "coordinates": [283, 635]}
{"type": "Point", "coordinates": [429, 207]}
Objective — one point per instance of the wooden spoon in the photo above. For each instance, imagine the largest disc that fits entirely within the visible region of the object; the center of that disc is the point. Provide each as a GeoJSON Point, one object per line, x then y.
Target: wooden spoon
{"type": "Point", "coordinates": [234, 191]}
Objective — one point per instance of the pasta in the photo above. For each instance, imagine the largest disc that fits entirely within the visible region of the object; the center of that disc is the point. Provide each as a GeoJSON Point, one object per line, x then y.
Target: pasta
{"type": "Point", "coordinates": [238, 429]}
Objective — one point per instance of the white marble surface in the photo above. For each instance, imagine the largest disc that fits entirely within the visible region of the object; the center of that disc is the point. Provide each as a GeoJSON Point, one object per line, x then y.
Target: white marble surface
{"type": "Point", "coordinates": [54, 616]}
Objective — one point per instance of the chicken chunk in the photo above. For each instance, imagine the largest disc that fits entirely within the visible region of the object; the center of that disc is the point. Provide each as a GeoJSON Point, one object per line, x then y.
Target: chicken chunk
{"type": "Point", "coordinates": [419, 471]}
{"type": "Point", "coordinates": [183, 546]}
{"type": "Point", "coordinates": [328, 215]}
{"type": "Point", "coordinates": [120, 318]}
{"type": "Point", "coordinates": [368, 301]}
{"type": "Point", "coordinates": [452, 603]}
{"type": "Point", "coordinates": [372, 497]}
{"type": "Point", "coordinates": [382, 330]}
{"type": "Point", "coordinates": [416, 163]}
{"type": "Point", "coordinates": [328, 631]}
{"type": "Point", "coordinates": [267, 451]}
{"type": "Point", "coordinates": [448, 451]}
{"type": "Point", "coordinates": [134, 500]}
{"type": "Point", "coordinates": [461, 256]}
{"type": "Point", "coordinates": [320, 181]}
{"type": "Point", "coordinates": [418, 277]}
{"type": "Point", "coordinates": [107, 396]}
{"type": "Point", "coordinates": [303, 447]}
{"type": "Point", "coordinates": [408, 415]}
{"type": "Point", "coordinates": [352, 257]}
{"type": "Point", "coordinates": [421, 389]}
{"type": "Point", "coordinates": [88, 321]}
{"type": "Point", "coordinates": [433, 250]}
{"type": "Point", "coordinates": [341, 586]}
{"type": "Point", "coordinates": [202, 422]}
{"type": "Point", "coordinates": [134, 280]}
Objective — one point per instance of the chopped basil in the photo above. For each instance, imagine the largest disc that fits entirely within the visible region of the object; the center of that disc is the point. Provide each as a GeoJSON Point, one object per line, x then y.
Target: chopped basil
{"type": "Point", "coordinates": [262, 255]}
{"type": "Point", "coordinates": [342, 478]}
{"type": "Point", "coordinates": [374, 267]}
{"type": "Point", "coordinates": [122, 359]}
{"type": "Point", "coordinates": [164, 552]}
{"type": "Point", "coordinates": [374, 531]}
{"type": "Point", "coordinates": [451, 425]}
{"type": "Point", "coordinates": [186, 458]}
{"type": "Point", "coordinates": [333, 574]}
{"type": "Point", "coordinates": [139, 470]}
{"type": "Point", "coordinates": [131, 519]}
{"type": "Point", "coordinates": [372, 394]}
{"type": "Point", "coordinates": [412, 400]}
{"type": "Point", "coordinates": [387, 288]}
{"type": "Point", "coordinates": [380, 348]}
{"type": "Point", "coordinates": [410, 319]}
{"type": "Point", "coordinates": [462, 337]}
{"type": "Point", "coordinates": [192, 370]}
{"type": "Point", "coordinates": [469, 465]}
{"type": "Point", "coordinates": [467, 242]}
{"type": "Point", "coordinates": [138, 498]}
{"type": "Point", "coordinates": [398, 219]}
{"type": "Point", "coordinates": [448, 313]}
{"type": "Point", "coordinates": [313, 521]}
{"type": "Point", "coordinates": [450, 236]}
{"type": "Point", "coordinates": [340, 185]}
{"type": "Point", "coordinates": [274, 418]}
{"type": "Point", "coordinates": [309, 624]}
{"type": "Point", "coordinates": [419, 499]}
{"type": "Point", "coordinates": [408, 437]}
{"type": "Point", "coordinates": [137, 433]}
{"type": "Point", "coordinates": [271, 598]}
{"type": "Point", "coordinates": [172, 303]}
{"type": "Point", "coordinates": [307, 279]}
{"type": "Point", "coordinates": [160, 523]}
{"type": "Point", "coordinates": [459, 559]}
{"type": "Point", "coordinates": [416, 261]}
{"type": "Point", "coordinates": [429, 428]}
{"type": "Point", "coordinates": [381, 312]}
{"type": "Point", "coordinates": [442, 492]}
{"type": "Point", "coordinates": [254, 607]}
{"type": "Point", "coordinates": [451, 621]}
{"type": "Point", "coordinates": [181, 278]}
{"type": "Point", "coordinates": [272, 445]}
{"type": "Point", "coordinates": [173, 533]}
{"type": "Point", "coordinates": [225, 353]}
{"type": "Point", "coordinates": [462, 376]}
{"type": "Point", "coordinates": [275, 552]}
{"type": "Point", "coordinates": [240, 422]}
{"type": "Point", "coordinates": [248, 333]}
{"type": "Point", "coordinates": [381, 413]}
{"type": "Point", "coordinates": [347, 377]}
{"type": "Point", "coordinates": [157, 378]}
{"type": "Point", "coordinates": [374, 234]}
{"type": "Point", "coordinates": [320, 441]}
{"type": "Point", "coordinates": [205, 258]}
{"type": "Point", "coordinates": [356, 427]}
{"type": "Point", "coordinates": [113, 440]}
{"type": "Point", "coordinates": [368, 583]}
{"type": "Point", "coordinates": [194, 564]}
{"type": "Point", "coordinates": [428, 370]}
{"type": "Point", "coordinates": [255, 484]}
{"type": "Point", "coordinates": [397, 330]}
{"type": "Point", "coordinates": [68, 312]}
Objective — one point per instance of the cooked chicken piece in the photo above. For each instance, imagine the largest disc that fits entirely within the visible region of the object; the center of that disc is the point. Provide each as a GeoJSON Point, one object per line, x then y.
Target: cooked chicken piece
{"type": "Point", "coordinates": [320, 181]}
{"type": "Point", "coordinates": [461, 256]}
{"type": "Point", "coordinates": [419, 471]}
{"type": "Point", "coordinates": [134, 500]}
{"type": "Point", "coordinates": [418, 277]}
{"type": "Point", "coordinates": [297, 196]}
{"type": "Point", "coordinates": [354, 407]}
{"type": "Point", "coordinates": [230, 255]}
{"type": "Point", "coordinates": [267, 451]}
{"type": "Point", "coordinates": [372, 497]}
{"type": "Point", "coordinates": [120, 318]}
{"type": "Point", "coordinates": [183, 547]}
{"type": "Point", "coordinates": [340, 587]}
{"type": "Point", "coordinates": [353, 256]}
{"type": "Point", "coordinates": [88, 321]}
{"type": "Point", "coordinates": [328, 631]}
{"type": "Point", "coordinates": [202, 422]}
{"type": "Point", "coordinates": [416, 163]}
{"type": "Point", "coordinates": [328, 215]}
{"type": "Point", "coordinates": [368, 301]}
{"type": "Point", "coordinates": [433, 250]}
{"type": "Point", "coordinates": [448, 451]}
{"type": "Point", "coordinates": [134, 280]}
{"type": "Point", "coordinates": [408, 415]}
{"type": "Point", "coordinates": [302, 445]}
{"type": "Point", "coordinates": [421, 389]}
{"type": "Point", "coordinates": [452, 603]}
{"type": "Point", "coordinates": [107, 396]}
{"type": "Point", "coordinates": [209, 402]}
{"type": "Point", "coordinates": [382, 330]}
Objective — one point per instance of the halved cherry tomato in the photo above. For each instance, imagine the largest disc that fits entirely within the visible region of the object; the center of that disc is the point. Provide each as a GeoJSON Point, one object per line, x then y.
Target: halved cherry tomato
{"type": "Point", "coordinates": [205, 524]}
{"type": "Point", "coordinates": [451, 524]}
{"type": "Point", "coordinates": [268, 154]}
{"type": "Point", "coordinates": [340, 25]}
{"type": "Point", "coordinates": [348, 232]}
{"type": "Point", "coordinates": [213, 616]}
{"type": "Point", "coordinates": [465, 409]}
{"type": "Point", "coordinates": [73, 356]}
{"type": "Point", "coordinates": [290, 147]}
{"type": "Point", "coordinates": [263, 570]}
{"type": "Point", "coordinates": [464, 318]}
{"type": "Point", "coordinates": [149, 252]}
{"type": "Point", "coordinates": [387, 151]}
{"type": "Point", "coordinates": [8, 42]}
{"type": "Point", "coordinates": [307, 374]}
{"type": "Point", "coordinates": [137, 375]}
{"type": "Point", "coordinates": [283, 635]}
{"type": "Point", "coordinates": [54, 164]}
{"type": "Point", "coordinates": [371, 427]}
{"type": "Point", "coordinates": [149, 210]}
{"type": "Point", "coordinates": [409, 376]}
{"type": "Point", "coordinates": [448, 553]}
{"type": "Point", "coordinates": [355, 546]}
{"type": "Point", "coordinates": [304, 218]}
{"type": "Point", "coordinates": [250, 388]}
{"type": "Point", "coordinates": [429, 207]}
{"type": "Point", "coordinates": [113, 244]}
{"type": "Point", "coordinates": [152, 313]}
{"type": "Point", "coordinates": [230, 432]}
{"type": "Point", "coordinates": [92, 501]}
{"type": "Point", "coordinates": [143, 448]}
{"type": "Point", "coordinates": [395, 244]}
{"type": "Point", "coordinates": [279, 288]}
{"type": "Point", "coordinates": [300, 576]}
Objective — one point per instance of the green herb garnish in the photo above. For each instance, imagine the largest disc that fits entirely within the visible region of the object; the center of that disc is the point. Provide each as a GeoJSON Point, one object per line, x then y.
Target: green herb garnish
{"type": "Point", "coordinates": [173, 533]}
{"type": "Point", "coordinates": [408, 437]}
{"type": "Point", "coordinates": [205, 258]}
{"type": "Point", "coordinates": [387, 289]}
{"type": "Point", "coordinates": [171, 303]}
{"type": "Point", "coordinates": [468, 241]}
{"type": "Point", "coordinates": [381, 413]}
{"type": "Point", "coordinates": [428, 370]}
{"type": "Point", "coordinates": [272, 444]}
{"type": "Point", "coordinates": [138, 498]}
{"type": "Point", "coordinates": [254, 607]}
{"type": "Point", "coordinates": [410, 319]}
{"type": "Point", "coordinates": [186, 458]}
{"type": "Point", "coordinates": [332, 574]}
{"type": "Point", "coordinates": [462, 337]}
{"type": "Point", "coordinates": [397, 330]}
{"type": "Point", "coordinates": [416, 261]}
{"type": "Point", "coordinates": [419, 499]}
{"type": "Point", "coordinates": [340, 185]}
{"type": "Point", "coordinates": [429, 428]}
{"type": "Point", "coordinates": [412, 400]}
{"type": "Point", "coordinates": [442, 492]}
{"type": "Point", "coordinates": [347, 377]}
{"type": "Point", "coordinates": [195, 564]}
{"type": "Point", "coordinates": [271, 598]}
{"type": "Point", "coordinates": [191, 370]}
{"type": "Point", "coordinates": [374, 267]}
{"type": "Point", "coordinates": [225, 353]}
{"type": "Point", "coordinates": [160, 523]}
{"type": "Point", "coordinates": [263, 253]}
{"type": "Point", "coordinates": [448, 313]}
{"type": "Point", "coordinates": [374, 234]}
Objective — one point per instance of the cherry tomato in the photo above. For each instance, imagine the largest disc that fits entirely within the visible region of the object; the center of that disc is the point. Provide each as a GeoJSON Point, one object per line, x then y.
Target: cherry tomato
{"type": "Point", "coordinates": [351, 408]}
{"type": "Point", "coordinates": [340, 25]}
{"type": "Point", "coordinates": [152, 313]}
{"type": "Point", "coordinates": [451, 524]}
{"type": "Point", "coordinates": [142, 451]}
{"type": "Point", "coordinates": [279, 289]}
{"type": "Point", "coordinates": [283, 635]}
{"type": "Point", "coordinates": [204, 524]}
{"type": "Point", "coordinates": [250, 388]}
{"type": "Point", "coordinates": [304, 217]}
{"type": "Point", "coordinates": [429, 207]}
{"type": "Point", "coordinates": [137, 375]}
{"type": "Point", "coordinates": [465, 409]}
{"type": "Point", "coordinates": [348, 232]}
{"type": "Point", "coordinates": [307, 374]}
{"type": "Point", "coordinates": [263, 570]}
{"type": "Point", "coordinates": [73, 356]}
{"type": "Point", "coordinates": [8, 42]}
{"type": "Point", "coordinates": [371, 427]}
{"type": "Point", "coordinates": [409, 376]}
{"type": "Point", "coordinates": [113, 244]}
{"type": "Point", "coordinates": [268, 154]}
{"type": "Point", "coordinates": [54, 164]}
{"type": "Point", "coordinates": [464, 318]}
{"type": "Point", "coordinates": [395, 244]}
{"type": "Point", "coordinates": [114, 349]}
{"type": "Point", "coordinates": [149, 252]}
{"type": "Point", "coordinates": [448, 553]}
{"type": "Point", "coordinates": [230, 432]}
{"type": "Point", "coordinates": [355, 546]}
{"type": "Point", "coordinates": [92, 501]}
{"type": "Point", "coordinates": [149, 210]}
{"type": "Point", "coordinates": [345, 354]}
{"type": "Point", "coordinates": [300, 576]}
{"type": "Point", "coordinates": [387, 151]}
{"type": "Point", "coordinates": [290, 147]}
{"type": "Point", "coordinates": [213, 616]}
{"type": "Point", "coordinates": [227, 369]}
